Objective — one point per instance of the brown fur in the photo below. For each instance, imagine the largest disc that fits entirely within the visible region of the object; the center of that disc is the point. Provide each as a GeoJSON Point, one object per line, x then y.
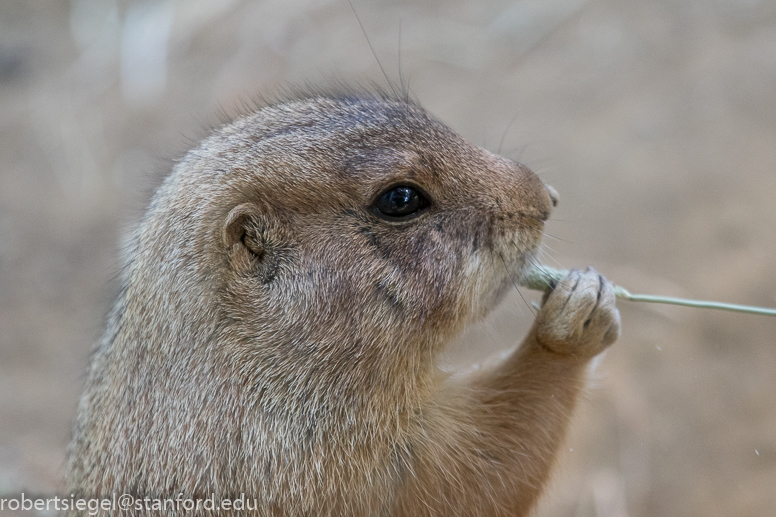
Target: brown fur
{"type": "Point", "coordinates": [275, 338]}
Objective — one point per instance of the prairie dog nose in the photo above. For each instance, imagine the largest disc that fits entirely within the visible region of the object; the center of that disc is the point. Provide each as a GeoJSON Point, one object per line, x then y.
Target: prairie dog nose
{"type": "Point", "coordinates": [554, 196]}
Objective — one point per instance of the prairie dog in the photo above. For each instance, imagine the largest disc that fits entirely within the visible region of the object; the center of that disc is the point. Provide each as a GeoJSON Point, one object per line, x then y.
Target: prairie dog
{"type": "Point", "coordinates": [283, 305]}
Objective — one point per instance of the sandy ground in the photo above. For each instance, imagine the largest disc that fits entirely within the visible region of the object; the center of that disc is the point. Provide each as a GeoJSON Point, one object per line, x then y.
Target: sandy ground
{"type": "Point", "coordinates": [656, 121]}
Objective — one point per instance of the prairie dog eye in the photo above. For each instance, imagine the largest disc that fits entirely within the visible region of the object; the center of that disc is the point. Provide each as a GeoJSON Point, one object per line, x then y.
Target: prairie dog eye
{"type": "Point", "coordinates": [400, 202]}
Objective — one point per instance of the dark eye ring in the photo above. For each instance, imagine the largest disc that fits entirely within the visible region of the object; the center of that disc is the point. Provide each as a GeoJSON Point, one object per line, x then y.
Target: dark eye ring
{"type": "Point", "coordinates": [400, 202]}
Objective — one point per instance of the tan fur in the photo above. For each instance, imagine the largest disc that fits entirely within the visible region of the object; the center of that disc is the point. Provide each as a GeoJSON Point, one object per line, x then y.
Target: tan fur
{"type": "Point", "coordinates": [275, 338]}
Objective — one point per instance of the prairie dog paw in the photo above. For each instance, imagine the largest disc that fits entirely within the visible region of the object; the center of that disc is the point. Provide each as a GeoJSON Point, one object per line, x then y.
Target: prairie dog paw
{"type": "Point", "coordinates": [579, 316]}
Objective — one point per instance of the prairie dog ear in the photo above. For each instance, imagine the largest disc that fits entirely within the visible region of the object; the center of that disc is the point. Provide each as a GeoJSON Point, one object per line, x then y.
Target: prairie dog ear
{"type": "Point", "coordinates": [242, 227]}
{"type": "Point", "coordinates": [256, 243]}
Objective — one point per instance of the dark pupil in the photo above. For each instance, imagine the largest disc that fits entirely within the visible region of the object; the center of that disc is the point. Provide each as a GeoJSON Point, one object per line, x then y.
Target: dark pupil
{"type": "Point", "coordinates": [399, 202]}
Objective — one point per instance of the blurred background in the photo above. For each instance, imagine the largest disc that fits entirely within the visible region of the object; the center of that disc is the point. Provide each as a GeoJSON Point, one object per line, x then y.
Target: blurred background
{"type": "Point", "coordinates": [656, 122]}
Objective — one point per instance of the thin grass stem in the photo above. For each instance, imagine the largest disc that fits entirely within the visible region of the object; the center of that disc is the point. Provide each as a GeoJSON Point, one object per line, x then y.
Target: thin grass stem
{"type": "Point", "coordinates": [542, 278]}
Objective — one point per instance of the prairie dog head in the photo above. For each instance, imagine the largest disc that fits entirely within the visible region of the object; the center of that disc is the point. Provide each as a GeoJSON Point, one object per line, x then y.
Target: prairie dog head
{"type": "Point", "coordinates": [342, 222]}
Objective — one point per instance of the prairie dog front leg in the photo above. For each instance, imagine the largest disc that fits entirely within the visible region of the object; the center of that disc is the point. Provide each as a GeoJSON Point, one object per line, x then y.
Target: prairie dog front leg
{"type": "Point", "coordinates": [488, 444]}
